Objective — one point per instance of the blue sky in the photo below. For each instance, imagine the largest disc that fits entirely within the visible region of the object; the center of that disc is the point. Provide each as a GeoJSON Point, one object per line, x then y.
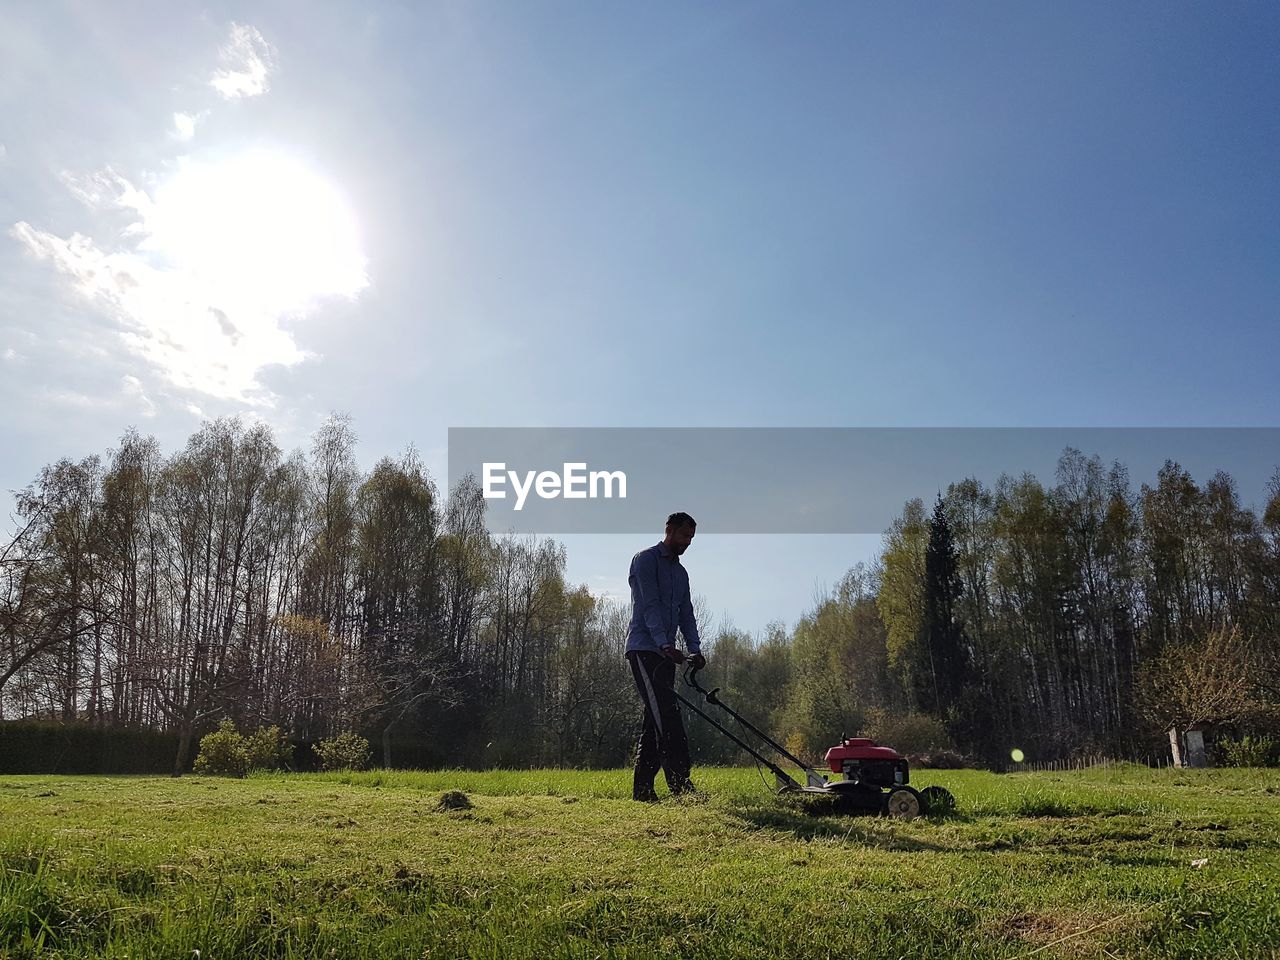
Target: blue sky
{"type": "Point", "coordinates": [434, 215]}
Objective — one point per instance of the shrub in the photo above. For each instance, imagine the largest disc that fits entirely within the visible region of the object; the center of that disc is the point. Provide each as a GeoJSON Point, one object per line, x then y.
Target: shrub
{"type": "Point", "coordinates": [796, 745]}
{"type": "Point", "coordinates": [908, 733]}
{"type": "Point", "coordinates": [941, 759]}
{"type": "Point", "coordinates": [267, 749]}
{"type": "Point", "coordinates": [1248, 752]}
{"type": "Point", "coordinates": [347, 751]}
{"type": "Point", "coordinates": [222, 753]}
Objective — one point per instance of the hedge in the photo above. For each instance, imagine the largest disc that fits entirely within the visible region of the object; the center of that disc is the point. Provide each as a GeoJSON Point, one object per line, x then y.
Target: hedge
{"type": "Point", "coordinates": [49, 746]}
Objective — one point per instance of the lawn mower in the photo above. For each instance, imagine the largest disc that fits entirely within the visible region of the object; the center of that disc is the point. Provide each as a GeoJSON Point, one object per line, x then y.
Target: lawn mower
{"type": "Point", "coordinates": [875, 777]}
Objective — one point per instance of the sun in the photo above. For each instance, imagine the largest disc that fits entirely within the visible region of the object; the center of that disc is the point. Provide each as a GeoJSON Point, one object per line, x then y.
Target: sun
{"type": "Point", "coordinates": [261, 232]}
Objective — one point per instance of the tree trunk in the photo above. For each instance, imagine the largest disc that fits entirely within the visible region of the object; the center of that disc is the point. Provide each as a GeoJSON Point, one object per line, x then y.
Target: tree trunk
{"type": "Point", "coordinates": [184, 746]}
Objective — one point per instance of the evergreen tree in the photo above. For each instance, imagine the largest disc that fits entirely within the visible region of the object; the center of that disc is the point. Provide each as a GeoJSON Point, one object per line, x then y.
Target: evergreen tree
{"type": "Point", "coordinates": [942, 629]}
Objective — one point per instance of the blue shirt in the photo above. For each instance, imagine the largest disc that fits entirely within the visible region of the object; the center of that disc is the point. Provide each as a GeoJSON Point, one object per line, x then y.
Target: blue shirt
{"type": "Point", "coordinates": [660, 602]}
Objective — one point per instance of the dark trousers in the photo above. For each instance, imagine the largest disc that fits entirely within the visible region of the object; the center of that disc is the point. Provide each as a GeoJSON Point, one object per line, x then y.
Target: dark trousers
{"type": "Point", "coordinates": [662, 744]}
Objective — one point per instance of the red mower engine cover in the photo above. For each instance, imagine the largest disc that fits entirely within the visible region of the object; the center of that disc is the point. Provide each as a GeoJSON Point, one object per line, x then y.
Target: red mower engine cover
{"type": "Point", "coordinates": [859, 758]}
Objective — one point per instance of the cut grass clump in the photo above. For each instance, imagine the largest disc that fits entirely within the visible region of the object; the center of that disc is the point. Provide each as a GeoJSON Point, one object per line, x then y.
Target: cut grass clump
{"type": "Point", "coordinates": [454, 800]}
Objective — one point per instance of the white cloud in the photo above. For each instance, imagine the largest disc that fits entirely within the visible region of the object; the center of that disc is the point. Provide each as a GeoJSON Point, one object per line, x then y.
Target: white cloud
{"type": "Point", "coordinates": [200, 270]}
{"type": "Point", "coordinates": [106, 189]}
{"type": "Point", "coordinates": [10, 354]}
{"type": "Point", "coordinates": [159, 320]}
{"type": "Point", "coordinates": [132, 390]}
{"type": "Point", "coordinates": [247, 63]}
{"type": "Point", "coordinates": [131, 398]}
{"type": "Point", "coordinates": [4, 152]}
{"type": "Point", "coordinates": [184, 126]}
{"type": "Point", "coordinates": [212, 261]}
{"type": "Point", "coordinates": [70, 398]}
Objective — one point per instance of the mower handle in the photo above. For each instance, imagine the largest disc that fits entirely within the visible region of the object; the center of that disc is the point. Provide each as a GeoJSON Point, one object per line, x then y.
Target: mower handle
{"type": "Point", "coordinates": [691, 679]}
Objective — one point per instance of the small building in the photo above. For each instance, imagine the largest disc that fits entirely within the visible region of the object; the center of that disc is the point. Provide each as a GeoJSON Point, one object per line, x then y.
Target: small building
{"type": "Point", "coordinates": [1188, 745]}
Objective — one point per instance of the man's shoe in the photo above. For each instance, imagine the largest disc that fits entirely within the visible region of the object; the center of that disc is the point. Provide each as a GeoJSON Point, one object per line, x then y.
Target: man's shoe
{"type": "Point", "coordinates": [643, 796]}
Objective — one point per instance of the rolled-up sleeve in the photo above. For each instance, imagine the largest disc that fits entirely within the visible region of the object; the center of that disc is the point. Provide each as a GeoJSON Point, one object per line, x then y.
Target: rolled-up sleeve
{"type": "Point", "coordinates": [644, 572]}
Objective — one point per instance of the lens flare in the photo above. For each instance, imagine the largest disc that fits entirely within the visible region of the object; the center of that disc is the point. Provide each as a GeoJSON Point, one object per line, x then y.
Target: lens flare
{"type": "Point", "coordinates": [1018, 755]}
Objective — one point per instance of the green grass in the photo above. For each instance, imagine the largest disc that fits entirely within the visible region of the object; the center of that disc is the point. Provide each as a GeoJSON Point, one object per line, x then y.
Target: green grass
{"type": "Point", "coordinates": [551, 863]}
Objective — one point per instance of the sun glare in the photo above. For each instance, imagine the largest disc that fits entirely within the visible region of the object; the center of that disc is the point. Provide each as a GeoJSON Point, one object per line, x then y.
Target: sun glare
{"type": "Point", "coordinates": [223, 255]}
{"type": "Point", "coordinates": [261, 231]}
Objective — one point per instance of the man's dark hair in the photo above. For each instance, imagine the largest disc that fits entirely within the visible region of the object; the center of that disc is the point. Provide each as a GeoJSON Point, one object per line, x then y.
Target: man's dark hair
{"type": "Point", "coordinates": [681, 519]}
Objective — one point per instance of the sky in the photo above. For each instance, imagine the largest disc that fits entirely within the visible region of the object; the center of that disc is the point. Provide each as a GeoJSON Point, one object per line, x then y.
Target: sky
{"type": "Point", "coordinates": [433, 215]}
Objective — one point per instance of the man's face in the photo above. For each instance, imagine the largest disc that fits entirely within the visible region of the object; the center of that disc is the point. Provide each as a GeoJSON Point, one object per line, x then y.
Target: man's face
{"type": "Point", "coordinates": [679, 538]}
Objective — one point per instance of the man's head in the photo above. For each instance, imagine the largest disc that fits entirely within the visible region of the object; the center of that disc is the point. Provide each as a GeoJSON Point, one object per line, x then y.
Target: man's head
{"type": "Point", "coordinates": [680, 530]}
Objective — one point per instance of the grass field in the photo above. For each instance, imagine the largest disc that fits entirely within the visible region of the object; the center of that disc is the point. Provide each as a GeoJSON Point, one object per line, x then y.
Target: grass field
{"type": "Point", "coordinates": [1099, 863]}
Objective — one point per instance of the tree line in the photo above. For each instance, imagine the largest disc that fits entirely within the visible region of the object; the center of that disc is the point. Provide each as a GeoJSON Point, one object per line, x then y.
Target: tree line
{"type": "Point", "coordinates": [232, 580]}
{"type": "Point", "coordinates": [1080, 618]}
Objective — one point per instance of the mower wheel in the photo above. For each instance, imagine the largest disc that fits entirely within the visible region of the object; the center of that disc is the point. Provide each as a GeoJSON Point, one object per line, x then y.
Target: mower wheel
{"type": "Point", "coordinates": [903, 803]}
{"type": "Point", "coordinates": [937, 800]}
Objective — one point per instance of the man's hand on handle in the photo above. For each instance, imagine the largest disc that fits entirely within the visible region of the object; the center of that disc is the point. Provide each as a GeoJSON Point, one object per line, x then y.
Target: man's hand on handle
{"type": "Point", "coordinates": [675, 655]}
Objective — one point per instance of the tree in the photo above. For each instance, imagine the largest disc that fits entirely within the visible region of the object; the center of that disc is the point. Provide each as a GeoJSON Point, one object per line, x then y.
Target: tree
{"type": "Point", "coordinates": [943, 628]}
{"type": "Point", "coordinates": [130, 576]}
{"type": "Point", "coordinates": [1211, 680]}
{"type": "Point", "coordinates": [944, 645]}
{"type": "Point", "coordinates": [1100, 534]}
{"type": "Point", "coordinates": [1033, 579]}
{"type": "Point", "coordinates": [30, 615]}
{"type": "Point", "coordinates": [465, 549]}
{"type": "Point", "coordinates": [839, 671]}
{"type": "Point", "coordinates": [1266, 588]}
{"type": "Point", "coordinates": [901, 596]}
{"type": "Point", "coordinates": [53, 588]}
{"type": "Point", "coordinates": [398, 583]}
{"type": "Point", "coordinates": [213, 505]}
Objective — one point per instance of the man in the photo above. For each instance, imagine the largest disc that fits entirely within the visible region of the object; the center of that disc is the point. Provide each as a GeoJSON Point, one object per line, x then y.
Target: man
{"type": "Point", "coordinates": [661, 604]}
